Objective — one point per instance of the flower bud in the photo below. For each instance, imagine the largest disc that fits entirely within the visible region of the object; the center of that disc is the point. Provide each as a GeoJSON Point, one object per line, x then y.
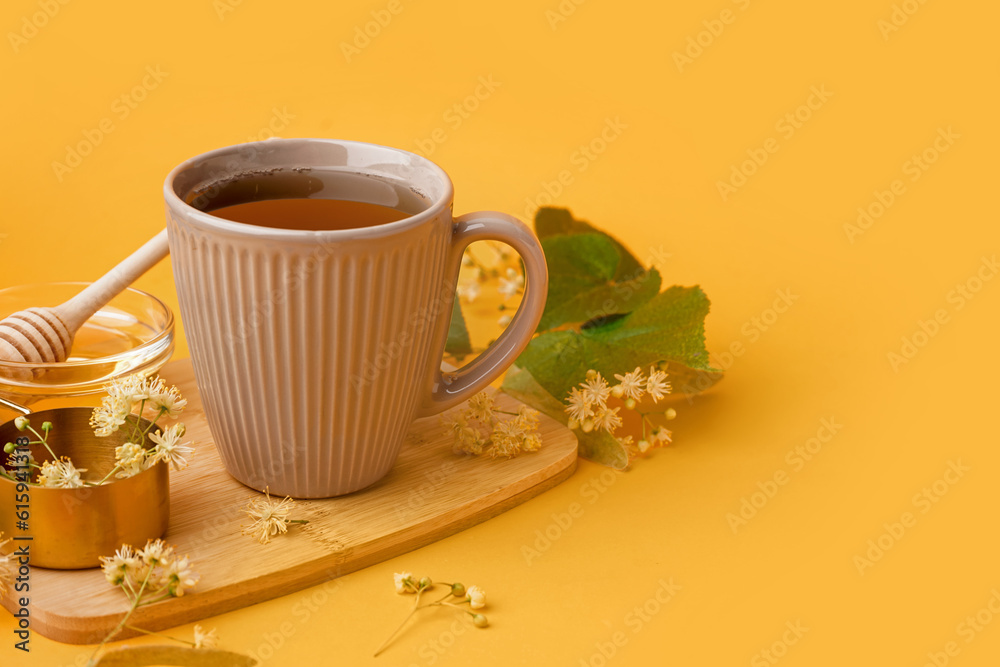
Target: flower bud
{"type": "Point", "coordinates": [458, 590]}
{"type": "Point", "coordinates": [630, 404]}
{"type": "Point", "coordinates": [21, 423]}
{"type": "Point", "coordinates": [46, 426]}
{"type": "Point", "coordinates": [480, 621]}
{"type": "Point", "coordinates": [591, 374]}
{"type": "Point", "coordinates": [670, 413]}
{"type": "Point", "coordinates": [588, 425]}
{"type": "Point", "coordinates": [9, 448]}
{"type": "Point", "coordinates": [617, 391]}
{"type": "Point", "coordinates": [643, 446]}
{"type": "Point", "coordinates": [425, 583]}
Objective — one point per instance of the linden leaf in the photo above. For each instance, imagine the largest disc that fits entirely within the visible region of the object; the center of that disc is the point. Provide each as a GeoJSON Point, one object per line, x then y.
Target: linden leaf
{"type": "Point", "coordinates": [669, 327]}
{"type": "Point", "coordinates": [598, 446]}
{"type": "Point", "coordinates": [181, 656]}
{"type": "Point", "coordinates": [552, 221]}
{"type": "Point", "coordinates": [458, 344]}
{"type": "Point", "coordinates": [585, 280]}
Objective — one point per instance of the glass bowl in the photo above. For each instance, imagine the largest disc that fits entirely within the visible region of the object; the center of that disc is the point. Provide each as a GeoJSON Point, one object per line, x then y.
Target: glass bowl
{"type": "Point", "coordinates": [134, 333]}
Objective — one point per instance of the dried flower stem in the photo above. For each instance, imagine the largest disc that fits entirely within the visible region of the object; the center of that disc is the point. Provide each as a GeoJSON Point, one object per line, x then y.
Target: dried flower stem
{"type": "Point", "coordinates": [416, 608]}
{"type": "Point", "coordinates": [159, 634]}
{"type": "Point", "coordinates": [124, 621]}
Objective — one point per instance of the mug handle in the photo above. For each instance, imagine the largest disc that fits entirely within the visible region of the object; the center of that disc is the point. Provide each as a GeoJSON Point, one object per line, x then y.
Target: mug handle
{"type": "Point", "coordinates": [451, 388]}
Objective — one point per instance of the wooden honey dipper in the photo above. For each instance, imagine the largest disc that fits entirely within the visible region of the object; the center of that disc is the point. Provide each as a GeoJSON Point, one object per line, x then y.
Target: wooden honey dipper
{"type": "Point", "coordinates": [45, 335]}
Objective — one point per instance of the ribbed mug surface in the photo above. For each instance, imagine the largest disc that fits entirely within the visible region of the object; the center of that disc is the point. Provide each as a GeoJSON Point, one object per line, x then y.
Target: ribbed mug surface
{"type": "Point", "coordinates": [314, 351]}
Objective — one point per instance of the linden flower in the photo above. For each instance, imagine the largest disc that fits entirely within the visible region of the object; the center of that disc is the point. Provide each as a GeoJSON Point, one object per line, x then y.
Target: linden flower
{"type": "Point", "coordinates": [607, 419]}
{"type": "Point", "coordinates": [60, 475]}
{"type": "Point", "coordinates": [506, 440]}
{"type": "Point", "coordinates": [106, 419]}
{"type": "Point", "coordinates": [595, 389]}
{"type": "Point", "coordinates": [468, 440]}
{"type": "Point", "coordinates": [131, 458]}
{"type": "Point", "coordinates": [404, 583]}
{"type": "Point", "coordinates": [117, 568]}
{"type": "Point", "coordinates": [511, 285]}
{"type": "Point", "coordinates": [168, 447]}
{"type": "Point", "coordinates": [21, 458]}
{"type": "Point", "coordinates": [657, 385]}
{"type": "Point", "coordinates": [131, 389]}
{"type": "Point", "coordinates": [166, 401]}
{"type": "Point", "coordinates": [481, 407]}
{"type": "Point", "coordinates": [468, 292]}
{"type": "Point", "coordinates": [270, 517]}
{"type": "Point", "coordinates": [579, 407]}
{"type": "Point", "coordinates": [478, 428]}
{"type": "Point", "coordinates": [476, 597]}
{"type": "Point", "coordinates": [661, 434]}
{"type": "Point", "coordinates": [204, 639]}
{"type": "Point", "coordinates": [179, 576]}
{"type": "Point", "coordinates": [632, 384]}
{"type": "Point", "coordinates": [156, 552]}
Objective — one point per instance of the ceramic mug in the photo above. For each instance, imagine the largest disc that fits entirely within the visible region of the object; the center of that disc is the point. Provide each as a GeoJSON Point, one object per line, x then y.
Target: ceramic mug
{"type": "Point", "coordinates": [314, 351]}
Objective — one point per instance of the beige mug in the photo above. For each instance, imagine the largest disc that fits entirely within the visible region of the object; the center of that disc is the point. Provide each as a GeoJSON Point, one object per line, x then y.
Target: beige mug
{"type": "Point", "coordinates": [314, 351]}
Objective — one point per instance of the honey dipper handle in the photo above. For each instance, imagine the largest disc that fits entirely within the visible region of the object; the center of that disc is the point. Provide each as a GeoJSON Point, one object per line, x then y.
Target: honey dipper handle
{"type": "Point", "coordinates": [78, 310]}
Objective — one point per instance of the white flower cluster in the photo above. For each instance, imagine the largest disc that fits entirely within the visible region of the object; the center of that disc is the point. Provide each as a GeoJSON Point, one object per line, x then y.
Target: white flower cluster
{"type": "Point", "coordinates": [478, 429]}
{"type": "Point", "coordinates": [151, 573]}
{"type": "Point", "coordinates": [149, 393]}
{"type": "Point", "coordinates": [153, 397]}
{"type": "Point", "coordinates": [587, 405]}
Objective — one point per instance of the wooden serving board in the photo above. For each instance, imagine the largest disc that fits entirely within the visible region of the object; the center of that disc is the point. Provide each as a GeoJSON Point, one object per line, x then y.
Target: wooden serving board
{"type": "Point", "coordinates": [429, 494]}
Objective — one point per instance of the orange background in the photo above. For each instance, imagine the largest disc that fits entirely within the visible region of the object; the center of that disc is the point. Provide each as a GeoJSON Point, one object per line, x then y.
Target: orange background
{"type": "Point", "coordinates": [560, 73]}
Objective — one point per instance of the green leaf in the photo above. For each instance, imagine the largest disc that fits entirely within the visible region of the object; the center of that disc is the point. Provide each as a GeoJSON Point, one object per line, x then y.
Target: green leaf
{"type": "Point", "coordinates": [670, 327]}
{"type": "Point", "coordinates": [458, 344]}
{"type": "Point", "coordinates": [584, 280]}
{"type": "Point", "coordinates": [598, 446]}
{"type": "Point", "coordinates": [554, 221]}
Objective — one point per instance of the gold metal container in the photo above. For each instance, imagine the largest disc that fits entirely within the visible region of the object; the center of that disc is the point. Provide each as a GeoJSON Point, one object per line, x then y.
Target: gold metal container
{"type": "Point", "coordinates": [72, 528]}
